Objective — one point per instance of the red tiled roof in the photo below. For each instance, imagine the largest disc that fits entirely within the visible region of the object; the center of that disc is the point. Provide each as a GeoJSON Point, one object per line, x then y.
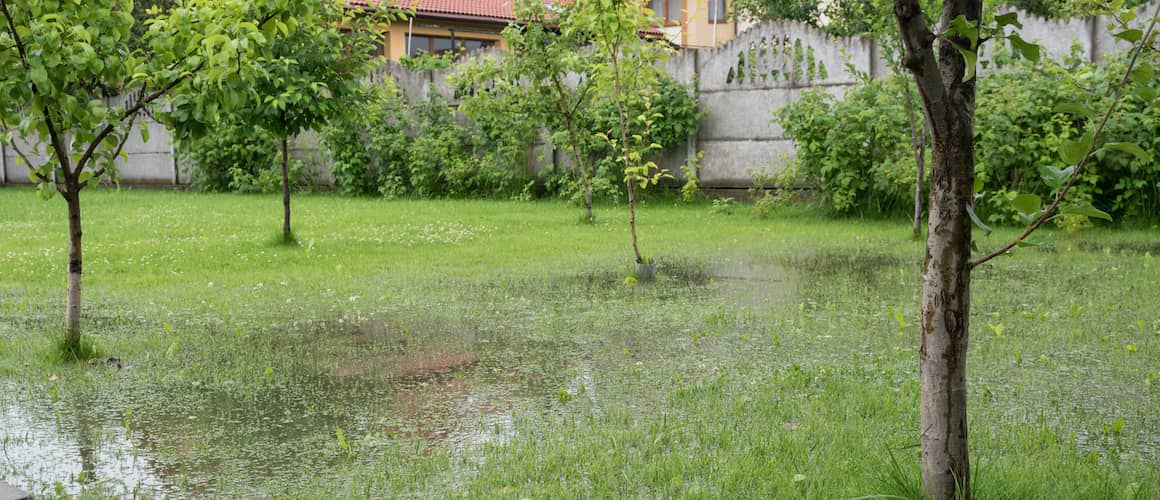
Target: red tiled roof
{"type": "Point", "coordinates": [486, 10]}
{"type": "Point", "coordinates": [479, 10]}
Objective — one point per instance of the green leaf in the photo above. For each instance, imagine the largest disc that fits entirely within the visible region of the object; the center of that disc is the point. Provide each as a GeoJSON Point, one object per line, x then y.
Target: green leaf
{"type": "Point", "coordinates": [1084, 208]}
{"type": "Point", "coordinates": [1142, 73]}
{"type": "Point", "coordinates": [978, 222]}
{"type": "Point", "coordinates": [1008, 19]}
{"type": "Point", "coordinates": [45, 191]}
{"type": "Point", "coordinates": [1027, 50]}
{"type": "Point", "coordinates": [969, 59]}
{"type": "Point", "coordinates": [1144, 92]}
{"type": "Point", "coordinates": [978, 188]}
{"type": "Point", "coordinates": [1026, 243]}
{"type": "Point", "coordinates": [1074, 108]}
{"type": "Point", "coordinates": [1055, 177]}
{"type": "Point", "coordinates": [39, 77]}
{"type": "Point", "coordinates": [1027, 203]}
{"type": "Point", "coordinates": [1073, 152]}
{"type": "Point", "coordinates": [962, 27]}
{"type": "Point", "coordinates": [1131, 148]}
{"type": "Point", "coordinates": [1130, 35]}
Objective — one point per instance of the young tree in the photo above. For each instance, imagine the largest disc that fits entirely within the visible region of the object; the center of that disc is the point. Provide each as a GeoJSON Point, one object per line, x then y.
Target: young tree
{"type": "Point", "coordinates": [313, 73]}
{"type": "Point", "coordinates": [945, 79]}
{"type": "Point", "coordinates": [63, 64]}
{"type": "Point", "coordinates": [546, 51]}
{"type": "Point", "coordinates": [626, 73]}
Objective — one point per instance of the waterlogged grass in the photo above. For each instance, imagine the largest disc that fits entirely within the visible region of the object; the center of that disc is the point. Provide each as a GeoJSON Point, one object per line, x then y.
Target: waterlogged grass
{"type": "Point", "coordinates": [495, 349]}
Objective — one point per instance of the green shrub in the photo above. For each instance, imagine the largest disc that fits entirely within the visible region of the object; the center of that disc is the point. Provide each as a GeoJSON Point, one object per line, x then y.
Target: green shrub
{"type": "Point", "coordinates": [401, 148]}
{"type": "Point", "coordinates": [360, 147]}
{"type": "Point", "coordinates": [856, 150]}
{"type": "Point", "coordinates": [231, 157]}
{"type": "Point", "coordinates": [1020, 126]}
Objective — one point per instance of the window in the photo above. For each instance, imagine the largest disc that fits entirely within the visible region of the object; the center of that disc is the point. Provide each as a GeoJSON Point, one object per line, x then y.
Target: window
{"type": "Point", "coordinates": [669, 10]}
{"type": "Point", "coordinates": [717, 11]}
{"type": "Point", "coordinates": [436, 45]}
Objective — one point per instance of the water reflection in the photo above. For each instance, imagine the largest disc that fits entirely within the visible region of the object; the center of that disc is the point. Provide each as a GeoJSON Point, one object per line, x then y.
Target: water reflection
{"type": "Point", "coordinates": [75, 450]}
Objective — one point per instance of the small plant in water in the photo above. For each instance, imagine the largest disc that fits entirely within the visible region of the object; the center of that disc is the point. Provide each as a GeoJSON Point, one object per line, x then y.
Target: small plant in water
{"type": "Point", "coordinates": [343, 442]}
{"type": "Point", "coordinates": [996, 330]}
{"type": "Point", "coordinates": [563, 395]}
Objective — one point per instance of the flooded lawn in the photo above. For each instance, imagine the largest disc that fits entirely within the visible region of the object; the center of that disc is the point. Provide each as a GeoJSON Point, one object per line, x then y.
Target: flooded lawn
{"type": "Point", "coordinates": [765, 370]}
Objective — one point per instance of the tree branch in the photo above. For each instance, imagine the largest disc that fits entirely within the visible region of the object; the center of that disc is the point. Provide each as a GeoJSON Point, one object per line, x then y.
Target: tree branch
{"type": "Point", "coordinates": [120, 147]}
{"type": "Point", "coordinates": [1086, 158]}
{"type": "Point", "coordinates": [919, 57]}
{"type": "Point", "coordinates": [130, 114]}
{"type": "Point", "coordinates": [24, 157]}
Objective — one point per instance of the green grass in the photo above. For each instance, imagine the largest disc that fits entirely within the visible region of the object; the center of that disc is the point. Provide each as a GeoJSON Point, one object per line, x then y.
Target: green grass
{"type": "Point", "coordinates": [495, 349]}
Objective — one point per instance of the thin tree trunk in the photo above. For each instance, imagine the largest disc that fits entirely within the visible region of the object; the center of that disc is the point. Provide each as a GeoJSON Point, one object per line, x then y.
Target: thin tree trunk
{"type": "Point", "coordinates": [632, 220]}
{"type": "Point", "coordinates": [946, 306]}
{"type": "Point", "coordinates": [583, 170]}
{"type": "Point", "coordinates": [918, 145]}
{"type": "Point", "coordinates": [286, 235]}
{"type": "Point", "coordinates": [575, 139]}
{"type": "Point", "coordinates": [624, 150]}
{"type": "Point", "coordinates": [72, 318]}
{"type": "Point", "coordinates": [949, 102]}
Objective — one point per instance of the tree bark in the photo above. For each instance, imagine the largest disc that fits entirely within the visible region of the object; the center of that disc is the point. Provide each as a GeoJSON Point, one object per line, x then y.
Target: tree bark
{"type": "Point", "coordinates": [72, 319]}
{"type": "Point", "coordinates": [286, 234]}
{"type": "Point", "coordinates": [949, 102]}
{"type": "Point", "coordinates": [946, 307]}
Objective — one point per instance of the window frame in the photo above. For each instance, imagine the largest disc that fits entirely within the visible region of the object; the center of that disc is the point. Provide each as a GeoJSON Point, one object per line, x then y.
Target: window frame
{"type": "Point", "coordinates": [663, 13]}
{"type": "Point", "coordinates": [722, 8]}
{"type": "Point", "coordinates": [413, 50]}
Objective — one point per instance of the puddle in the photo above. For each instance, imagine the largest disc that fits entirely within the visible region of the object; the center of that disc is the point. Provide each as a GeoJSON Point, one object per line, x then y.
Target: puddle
{"type": "Point", "coordinates": [524, 346]}
{"type": "Point", "coordinates": [184, 440]}
{"type": "Point", "coordinates": [73, 451]}
{"type": "Point", "coordinates": [1122, 247]}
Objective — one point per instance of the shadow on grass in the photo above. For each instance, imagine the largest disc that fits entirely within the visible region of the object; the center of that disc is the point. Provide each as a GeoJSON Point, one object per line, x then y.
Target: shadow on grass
{"type": "Point", "coordinates": [284, 240]}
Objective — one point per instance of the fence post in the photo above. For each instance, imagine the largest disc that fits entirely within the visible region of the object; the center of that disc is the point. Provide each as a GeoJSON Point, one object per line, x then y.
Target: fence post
{"type": "Point", "coordinates": [173, 158]}
{"type": "Point", "coordinates": [3, 164]}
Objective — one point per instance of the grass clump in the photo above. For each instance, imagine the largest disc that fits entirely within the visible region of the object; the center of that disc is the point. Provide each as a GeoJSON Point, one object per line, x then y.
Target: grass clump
{"type": "Point", "coordinates": [64, 350]}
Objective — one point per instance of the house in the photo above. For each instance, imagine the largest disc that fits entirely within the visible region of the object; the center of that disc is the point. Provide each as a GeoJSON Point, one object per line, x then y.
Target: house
{"type": "Point", "coordinates": [440, 26]}
{"type": "Point", "coordinates": [695, 24]}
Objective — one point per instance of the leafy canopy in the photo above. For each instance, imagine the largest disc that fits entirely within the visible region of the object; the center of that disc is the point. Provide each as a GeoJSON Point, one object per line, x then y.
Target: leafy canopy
{"type": "Point", "coordinates": [74, 80]}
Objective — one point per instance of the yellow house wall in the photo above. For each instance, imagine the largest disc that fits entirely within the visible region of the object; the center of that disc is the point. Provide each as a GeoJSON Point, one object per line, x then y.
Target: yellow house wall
{"type": "Point", "coordinates": [395, 44]}
{"type": "Point", "coordinates": [698, 31]}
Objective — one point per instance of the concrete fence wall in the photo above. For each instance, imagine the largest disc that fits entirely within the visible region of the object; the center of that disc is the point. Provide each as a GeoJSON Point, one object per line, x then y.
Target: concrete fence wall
{"type": "Point", "coordinates": [742, 84]}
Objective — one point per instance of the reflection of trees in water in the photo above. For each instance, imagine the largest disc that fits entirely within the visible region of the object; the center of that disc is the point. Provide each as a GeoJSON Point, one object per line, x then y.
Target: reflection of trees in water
{"type": "Point", "coordinates": [86, 445]}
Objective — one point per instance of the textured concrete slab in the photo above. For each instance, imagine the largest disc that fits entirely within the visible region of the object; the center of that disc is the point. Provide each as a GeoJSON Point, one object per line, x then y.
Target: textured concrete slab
{"type": "Point", "coordinates": [9, 492]}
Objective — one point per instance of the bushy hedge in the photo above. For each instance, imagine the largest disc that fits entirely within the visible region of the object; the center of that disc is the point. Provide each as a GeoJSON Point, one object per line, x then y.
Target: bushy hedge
{"type": "Point", "coordinates": [856, 149]}
{"type": "Point", "coordinates": [419, 148]}
{"type": "Point", "coordinates": [485, 147]}
{"type": "Point", "coordinates": [240, 158]}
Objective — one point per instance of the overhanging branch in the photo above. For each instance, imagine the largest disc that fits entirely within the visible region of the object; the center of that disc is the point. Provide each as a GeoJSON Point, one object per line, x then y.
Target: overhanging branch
{"type": "Point", "coordinates": [1047, 213]}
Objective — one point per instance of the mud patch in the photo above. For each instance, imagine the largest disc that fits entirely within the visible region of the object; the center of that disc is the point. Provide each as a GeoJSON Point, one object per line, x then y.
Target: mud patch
{"type": "Point", "coordinates": [417, 363]}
